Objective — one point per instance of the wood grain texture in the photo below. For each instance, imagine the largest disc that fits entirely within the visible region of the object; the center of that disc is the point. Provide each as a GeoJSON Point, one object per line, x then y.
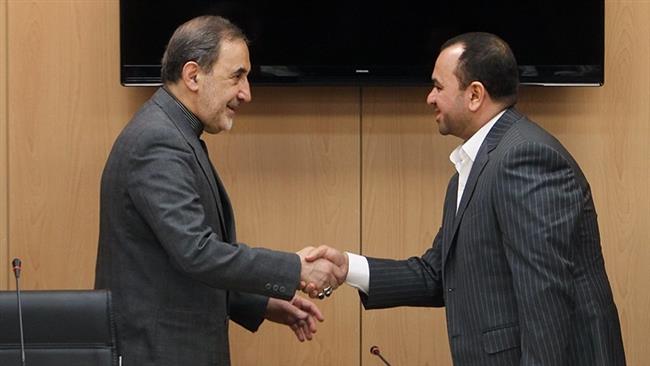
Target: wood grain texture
{"type": "Point", "coordinates": [291, 167]}
{"type": "Point", "coordinates": [304, 166]}
{"type": "Point", "coordinates": [4, 235]}
{"type": "Point", "coordinates": [66, 108]}
{"type": "Point", "coordinates": [405, 174]}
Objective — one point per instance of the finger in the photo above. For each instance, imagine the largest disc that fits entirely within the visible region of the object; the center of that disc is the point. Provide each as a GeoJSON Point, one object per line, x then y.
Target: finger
{"type": "Point", "coordinates": [306, 331]}
{"type": "Point", "coordinates": [294, 326]}
{"type": "Point", "coordinates": [339, 274]}
{"type": "Point", "coordinates": [333, 278]}
{"type": "Point", "coordinates": [296, 330]}
{"type": "Point", "coordinates": [316, 253]}
{"type": "Point", "coordinates": [331, 283]}
{"type": "Point", "coordinates": [310, 324]}
{"type": "Point", "coordinates": [315, 312]}
{"type": "Point", "coordinates": [314, 293]}
{"type": "Point", "coordinates": [299, 333]}
{"type": "Point", "coordinates": [295, 312]}
{"type": "Point", "coordinates": [305, 250]}
{"type": "Point", "coordinates": [309, 335]}
{"type": "Point", "coordinates": [310, 288]}
{"type": "Point", "coordinates": [310, 308]}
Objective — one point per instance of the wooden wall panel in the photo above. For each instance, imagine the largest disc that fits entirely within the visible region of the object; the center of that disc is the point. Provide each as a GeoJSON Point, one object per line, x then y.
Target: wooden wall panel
{"type": "Point", "coordinates": [291, 166]}
{"type": "Point", "coordinates": [4, 235]}
{"type": "Point", "coordinates": [405, 171]}
{"type": "Point", "coordinates": [66, 108]}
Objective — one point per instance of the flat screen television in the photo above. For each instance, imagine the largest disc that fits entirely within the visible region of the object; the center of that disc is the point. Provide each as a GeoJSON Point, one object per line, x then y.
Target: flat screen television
{"type": "Point", "coordinates": [362, 42]}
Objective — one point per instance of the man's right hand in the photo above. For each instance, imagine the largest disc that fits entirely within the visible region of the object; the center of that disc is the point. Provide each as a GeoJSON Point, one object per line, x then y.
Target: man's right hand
{"type": "Point", "coordinates": [338, 260]}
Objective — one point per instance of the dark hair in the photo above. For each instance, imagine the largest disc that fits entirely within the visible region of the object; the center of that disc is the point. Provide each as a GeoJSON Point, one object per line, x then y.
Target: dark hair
{"type": "Point", "coordinates": [198, 40]}
{"type": "Point", "coordinates": [489, 60]}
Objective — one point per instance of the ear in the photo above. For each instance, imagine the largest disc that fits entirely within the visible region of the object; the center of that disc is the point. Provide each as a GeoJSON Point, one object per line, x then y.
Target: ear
{"type": "Point", "coordinates": [476, 95]}
{"type": "Point", "coordinates": [190, 75]}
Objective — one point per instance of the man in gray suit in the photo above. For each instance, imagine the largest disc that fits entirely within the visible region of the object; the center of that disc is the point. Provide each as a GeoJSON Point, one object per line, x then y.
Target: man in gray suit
{"type": "Point", "coordinates": [167, 244]}
{"type": "Point", "coordinates": [517, 262]}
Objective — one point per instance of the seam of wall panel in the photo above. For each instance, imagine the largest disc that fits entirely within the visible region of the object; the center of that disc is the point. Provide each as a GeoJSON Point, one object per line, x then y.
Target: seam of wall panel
{"type": "Point", "coordinates": [360, 214]}
{"type": "Point", "coordinates": [4, 148]}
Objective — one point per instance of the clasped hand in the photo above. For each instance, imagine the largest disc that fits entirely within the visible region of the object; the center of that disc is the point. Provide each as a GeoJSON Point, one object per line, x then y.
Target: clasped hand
{"type": "Point", "coordinates": [323, 270]}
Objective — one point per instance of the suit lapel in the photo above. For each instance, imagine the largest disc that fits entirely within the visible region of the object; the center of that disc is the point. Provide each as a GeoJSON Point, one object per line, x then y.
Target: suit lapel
{"type": "Point", "coordinates": [482, 157]}
{"type": "Point", "coordinates": [227, 214]}
{"type": "Point", "coordinates": [179, 119]}
{"type": "Point", "coordinates": [448, 216]}
{"type": "Point", "coordinates": [223, 201]}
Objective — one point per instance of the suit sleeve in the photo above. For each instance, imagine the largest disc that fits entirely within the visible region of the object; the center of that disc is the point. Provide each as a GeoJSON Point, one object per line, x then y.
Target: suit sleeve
{"type": "Point", "coordinates": [416, 281]}
{"type": "Point", "coordinates": [538, 202]}
{"type": "Point", "coordinates": [247, 310]}
{"type": "Point", "coordinates": [163, 185]}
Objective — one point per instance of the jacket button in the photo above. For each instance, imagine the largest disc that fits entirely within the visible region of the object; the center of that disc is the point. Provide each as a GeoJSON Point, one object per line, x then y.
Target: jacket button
{"type": "Point", "coordinates": [282, 289]}
{"type": "Point", "coordinates": [275, 288]}
{"type": "Point", "coordinates": [451, 289]}
{"type": "Point", "coordinates": [267, 286]}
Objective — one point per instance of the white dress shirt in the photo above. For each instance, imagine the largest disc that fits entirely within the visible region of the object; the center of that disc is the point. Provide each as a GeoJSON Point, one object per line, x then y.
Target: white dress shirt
{"type": "Point", "coordinates": [464, 155]}
{"type": "Point", "coordinates": [463, 158]}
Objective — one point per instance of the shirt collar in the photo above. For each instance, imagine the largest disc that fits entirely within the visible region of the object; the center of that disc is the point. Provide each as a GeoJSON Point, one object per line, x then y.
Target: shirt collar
{"type": "Point", "coordinates": [470, 148]}
{"type": "Point", "coordinates": [193, 120]}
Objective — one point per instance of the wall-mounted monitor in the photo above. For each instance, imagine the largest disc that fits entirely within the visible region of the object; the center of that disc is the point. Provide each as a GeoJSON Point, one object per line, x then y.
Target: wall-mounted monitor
{"type": "Point", "coordinates": [363, 42]}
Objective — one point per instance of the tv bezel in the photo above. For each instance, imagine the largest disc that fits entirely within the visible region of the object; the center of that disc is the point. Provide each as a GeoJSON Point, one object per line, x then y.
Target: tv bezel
{"type": "Point", "coordinates": [546, 75]}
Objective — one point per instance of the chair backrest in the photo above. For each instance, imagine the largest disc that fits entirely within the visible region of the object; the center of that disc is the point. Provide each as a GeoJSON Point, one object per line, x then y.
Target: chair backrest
{"type": "Point", "coordinates": [71, 328]}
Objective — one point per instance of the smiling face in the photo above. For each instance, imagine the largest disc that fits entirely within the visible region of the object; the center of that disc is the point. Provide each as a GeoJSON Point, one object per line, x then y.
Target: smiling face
{"type": "Point", "coordinates": [450, 103]}
{"type": "Point", "coordinates": [222, 90]}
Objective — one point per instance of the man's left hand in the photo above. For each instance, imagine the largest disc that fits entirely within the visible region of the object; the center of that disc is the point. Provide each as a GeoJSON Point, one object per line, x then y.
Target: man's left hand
{"type": "Point", "coordinates": [299, 314]}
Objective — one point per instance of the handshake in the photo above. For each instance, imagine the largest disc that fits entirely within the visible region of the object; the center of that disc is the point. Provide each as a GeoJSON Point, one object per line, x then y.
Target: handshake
{"type": "Point", "coordinates": [323, 269]}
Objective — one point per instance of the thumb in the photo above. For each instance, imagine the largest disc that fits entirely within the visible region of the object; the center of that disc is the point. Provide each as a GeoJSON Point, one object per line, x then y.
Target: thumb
{"type": "Point", "coordinates": [295, 311]}
{"type": "Point", "coordinates": [316, 253]}
{"type": "Point", "coordinates": [298, 314]}
{"type": "Point", "coordinates": [308, 307]}
{"type": "Point", "coordinates": [340, 273]}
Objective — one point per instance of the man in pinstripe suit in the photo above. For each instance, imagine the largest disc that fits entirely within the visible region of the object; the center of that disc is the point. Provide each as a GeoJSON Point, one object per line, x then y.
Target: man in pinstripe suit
{"type": "Point", "coordinates": [517, 262]}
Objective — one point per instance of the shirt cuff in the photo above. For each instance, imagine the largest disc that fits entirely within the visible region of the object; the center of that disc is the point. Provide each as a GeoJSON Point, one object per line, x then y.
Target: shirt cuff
{"type": "Point", "coordinates": [358, 272]}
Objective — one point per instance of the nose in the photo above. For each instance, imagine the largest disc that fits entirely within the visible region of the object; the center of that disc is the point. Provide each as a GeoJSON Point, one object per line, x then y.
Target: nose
{"type": "Point", "coordinates": [245, 91]}
{"type": "Point", "coordinates": [431, 98]}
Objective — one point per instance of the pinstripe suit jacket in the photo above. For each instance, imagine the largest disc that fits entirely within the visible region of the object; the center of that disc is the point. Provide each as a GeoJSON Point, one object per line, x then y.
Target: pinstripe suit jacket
{"type": "Point", "coordinates": [519, 266]}
{"type": "Point", "coordinates": [167, 247]}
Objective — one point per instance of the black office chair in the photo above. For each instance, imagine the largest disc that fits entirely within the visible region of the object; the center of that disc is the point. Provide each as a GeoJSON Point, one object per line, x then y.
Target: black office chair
{"type": "Point", "coordinates": [61, 328]}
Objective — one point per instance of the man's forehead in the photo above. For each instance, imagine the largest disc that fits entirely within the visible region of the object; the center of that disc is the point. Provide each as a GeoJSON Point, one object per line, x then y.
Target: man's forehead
{"type": "Point", "coordinates": [233, 54]}
{"type": "Point", "coordinates": [447, 61]}
{"type": "Point", "coordinates": [450, 55]}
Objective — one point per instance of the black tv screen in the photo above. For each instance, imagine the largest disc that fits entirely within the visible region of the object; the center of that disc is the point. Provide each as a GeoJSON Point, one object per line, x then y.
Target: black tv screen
{"type": "Point", "coordinates": [362, 42]}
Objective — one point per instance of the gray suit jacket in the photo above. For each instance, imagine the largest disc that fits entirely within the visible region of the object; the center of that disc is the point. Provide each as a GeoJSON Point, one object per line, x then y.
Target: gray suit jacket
{"type": "Point", "coordinates": [167, 247]}
{"type": "Point", "coordinates": [519, 267]}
